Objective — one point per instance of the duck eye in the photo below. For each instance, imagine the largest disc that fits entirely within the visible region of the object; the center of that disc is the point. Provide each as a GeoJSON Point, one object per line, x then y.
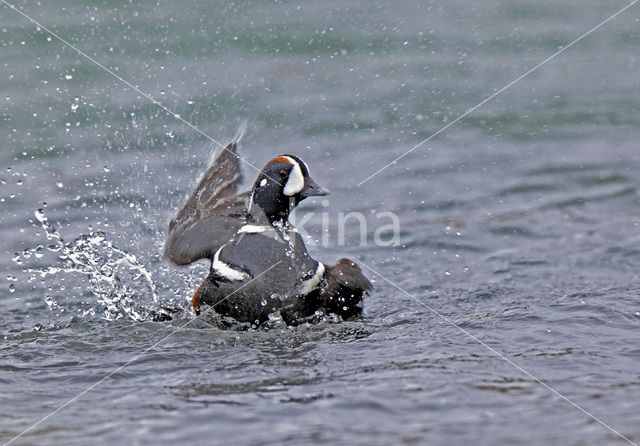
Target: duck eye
{"type": "Point", "coordinates": [283, 174]}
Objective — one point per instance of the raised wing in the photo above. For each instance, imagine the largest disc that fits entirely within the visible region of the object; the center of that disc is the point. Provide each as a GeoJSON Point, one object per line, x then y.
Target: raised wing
{"type": "Point", "coordinates": [212, 214]}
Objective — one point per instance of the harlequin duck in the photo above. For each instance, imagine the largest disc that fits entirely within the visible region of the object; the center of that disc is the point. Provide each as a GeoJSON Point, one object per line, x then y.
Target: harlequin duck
{"type": "Point", "coordinates": [259, 262]}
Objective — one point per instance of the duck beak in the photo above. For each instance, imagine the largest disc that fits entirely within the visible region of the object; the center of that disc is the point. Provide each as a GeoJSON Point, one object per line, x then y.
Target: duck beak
{"type": "Point", "coordinates": [312, 189]}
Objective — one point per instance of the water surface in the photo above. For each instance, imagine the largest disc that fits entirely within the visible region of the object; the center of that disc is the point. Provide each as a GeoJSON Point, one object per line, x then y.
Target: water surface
{"type": "Point", "coordinates": [519, 224]}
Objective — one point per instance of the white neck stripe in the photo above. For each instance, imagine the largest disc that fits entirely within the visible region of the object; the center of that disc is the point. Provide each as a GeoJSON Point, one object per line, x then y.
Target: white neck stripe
{"type": "Point", "coordinates": [308, 285]}
{"type": "Point", "coordinates": [252, 229]}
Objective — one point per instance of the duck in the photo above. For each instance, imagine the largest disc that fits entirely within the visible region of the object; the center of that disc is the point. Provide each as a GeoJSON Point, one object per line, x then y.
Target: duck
{"type": "Point", "coordinates": [259, 264]}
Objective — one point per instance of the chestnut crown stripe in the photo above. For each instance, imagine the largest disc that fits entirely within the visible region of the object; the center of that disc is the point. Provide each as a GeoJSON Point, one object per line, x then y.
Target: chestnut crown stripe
{"type": "Point", "coordinates": [282, 159]}
{"type": "Point", "coordinates": [292, 159]}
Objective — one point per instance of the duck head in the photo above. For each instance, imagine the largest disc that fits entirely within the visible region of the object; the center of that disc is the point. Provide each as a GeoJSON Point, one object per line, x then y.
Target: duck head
{"type": "Point", "coordinates": [282, 184]}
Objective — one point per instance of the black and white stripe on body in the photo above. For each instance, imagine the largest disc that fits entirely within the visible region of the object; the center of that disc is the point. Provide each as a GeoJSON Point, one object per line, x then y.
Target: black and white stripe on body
{"type": "Point", "coordinates": [237, 281]}
{"type": "Point", "coordinates": [268, 239]}
{"type": "Point", "coordinates": [259, 263]}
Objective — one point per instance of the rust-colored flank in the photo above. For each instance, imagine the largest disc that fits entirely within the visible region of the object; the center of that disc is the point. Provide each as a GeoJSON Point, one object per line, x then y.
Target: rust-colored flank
{"type": "Point", "coordinates": [196, 302]}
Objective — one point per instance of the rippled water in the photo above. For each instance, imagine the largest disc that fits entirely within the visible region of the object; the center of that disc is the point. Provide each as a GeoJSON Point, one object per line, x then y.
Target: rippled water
{"type": "Point", "coordinates": [519, 223]}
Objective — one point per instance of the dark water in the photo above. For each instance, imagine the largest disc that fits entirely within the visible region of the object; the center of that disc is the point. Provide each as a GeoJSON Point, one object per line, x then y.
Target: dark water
{"type": "Point", "coordinates": [520, 223]}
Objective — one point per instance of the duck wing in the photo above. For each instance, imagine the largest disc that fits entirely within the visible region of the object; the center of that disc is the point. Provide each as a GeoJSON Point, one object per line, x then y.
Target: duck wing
{"type": "Point", "coordinates": [213, 213]}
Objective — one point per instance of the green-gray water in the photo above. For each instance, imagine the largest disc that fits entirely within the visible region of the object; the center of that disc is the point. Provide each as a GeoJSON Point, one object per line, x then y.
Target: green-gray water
{"type": "Point", "coordinates": [519, 223]}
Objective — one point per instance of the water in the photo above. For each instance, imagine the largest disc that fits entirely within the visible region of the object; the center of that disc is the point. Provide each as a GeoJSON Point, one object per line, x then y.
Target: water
{"type": "Point", "coordinates": [519, 223]}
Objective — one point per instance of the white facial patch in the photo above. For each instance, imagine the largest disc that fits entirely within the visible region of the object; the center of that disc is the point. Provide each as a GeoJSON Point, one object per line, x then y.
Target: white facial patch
{"type": "Point", "coordinates": [263, 182]}
{"type": "Point", "coordinates": [225, 270]}
{"type": "Point", "coordinates": [295, 183]}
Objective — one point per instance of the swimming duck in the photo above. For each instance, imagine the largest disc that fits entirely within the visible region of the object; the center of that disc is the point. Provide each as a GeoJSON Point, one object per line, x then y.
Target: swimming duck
{"type": "Point", "coordinates": [259, 261]}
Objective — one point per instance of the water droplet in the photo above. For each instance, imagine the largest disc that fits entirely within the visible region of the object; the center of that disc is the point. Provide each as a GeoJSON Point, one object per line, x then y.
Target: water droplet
{"type": "Point", "coordinates": [106, 270]}
{"type": "Point", "coordinates": [74, 107]}
{"type": "Point", "coordinates": [277, 296]}
{"type": "Point", "coordinates": [68, 77]}
{"type": "Point", "coordinates": [39, 252]}
{"type": "Point", "coordinates": [12, 288]}
{"type": "Point", "coordinates": [49, 301]}
{"type": "Point", "coordinates": [40, 215]}
{"type": "Point", "coordinates": [263, 302]}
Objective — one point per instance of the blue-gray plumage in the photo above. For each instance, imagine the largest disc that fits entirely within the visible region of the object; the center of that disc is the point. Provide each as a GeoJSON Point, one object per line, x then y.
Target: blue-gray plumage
{"type": "Point", "coordinates": [259, 262]}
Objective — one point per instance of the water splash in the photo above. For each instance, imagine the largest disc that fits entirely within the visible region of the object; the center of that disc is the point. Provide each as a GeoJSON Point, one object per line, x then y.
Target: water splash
{"type": "Point", "coordinates": [115, 277]}
{"type": "Point", "coordinates": [122, 286]}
